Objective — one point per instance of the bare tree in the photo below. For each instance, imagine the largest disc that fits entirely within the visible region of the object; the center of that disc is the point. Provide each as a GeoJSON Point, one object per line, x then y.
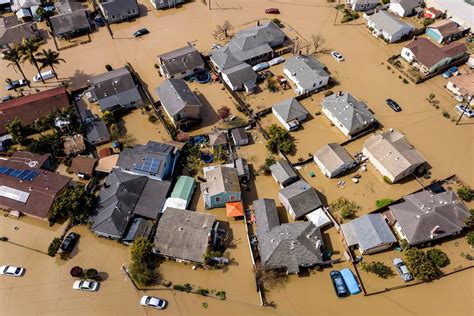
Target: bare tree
{"type": "Point", "coordinates": [297, 46]}
{"type": "Point", "coordinates": [317, 42]}
{"type": "Point", "coordinates": [222, 29]}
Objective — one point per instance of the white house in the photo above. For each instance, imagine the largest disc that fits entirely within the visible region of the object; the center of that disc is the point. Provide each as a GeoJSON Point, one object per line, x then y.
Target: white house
{"type": "Point", "coordinates": [388, 26]}
{"type": "Point", "coordinates": [306, 73]}
{"type": "Point", "coordinates": [462, 87]}
{"type": "Point", "coordinates": [333, 160]}
{"type": "Point", "coordinates": [290, 113]}
{"type": "Point", "coordinates": [362, 5]}
{"type": "Point", "coordinates": [404, 7]}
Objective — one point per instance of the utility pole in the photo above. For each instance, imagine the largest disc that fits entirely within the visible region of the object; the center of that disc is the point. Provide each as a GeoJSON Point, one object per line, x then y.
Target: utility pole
{"type": "Point", "coordinates": [465, 108]}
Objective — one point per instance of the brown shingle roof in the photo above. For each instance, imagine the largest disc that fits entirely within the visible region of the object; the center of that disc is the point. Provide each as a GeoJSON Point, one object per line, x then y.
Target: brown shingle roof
{"type": "Point", "coordinates": [32, 107]}
{"type": "Point", "coordinates": [74, 144]}
{"type": "Point", "coordinates": [429, 54]}
{"type": "Point", "coordinates": [42, 190]}
{"type": "Point", "coordinates": [446, 27]}
{"type": "Point", "coordinates": [84, 165]}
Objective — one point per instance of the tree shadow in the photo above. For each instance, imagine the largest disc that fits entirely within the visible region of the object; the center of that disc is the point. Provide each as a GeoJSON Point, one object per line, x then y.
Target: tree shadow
{"type": "Point", "coordinates": [78, 77]}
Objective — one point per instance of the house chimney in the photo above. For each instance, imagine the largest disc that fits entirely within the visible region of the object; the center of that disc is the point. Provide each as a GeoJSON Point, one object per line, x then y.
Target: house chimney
{"type": "Point", "coordinates": [258, 22]}
{"type": "Point", "coordinates": [433, 231]}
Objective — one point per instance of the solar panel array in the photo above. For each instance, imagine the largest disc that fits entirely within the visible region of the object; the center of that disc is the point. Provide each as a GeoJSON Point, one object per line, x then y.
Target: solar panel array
{"type": "Point", "coordinates": [157, 147]}
{"type": "Point", "coordinates": [26, 174]}
{"type": "Point", "coordinates": [150, 165]}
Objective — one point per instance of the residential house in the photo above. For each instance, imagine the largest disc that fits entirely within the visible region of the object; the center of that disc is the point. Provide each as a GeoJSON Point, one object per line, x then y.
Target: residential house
{"type": "Point", "coordinates": [33, 161]}
{"type": "Point", "coordinates": [333, 160]}
{"type": "Point", "coordinates": [218, 139]}
{"type": "Point", "coordinates": [362, 5]}
{"type": "Point", "coordinates": [460, 11]}
{"type": "Point", "coordinates": [239, 136]}
{"type": "Point", "coordinates": [369, 233]}
{"type": "Point", "coordinates": [243, 170]}
{"type": "Point", "coordinates": [180, 63]}
{"type": "Point", "coordinates": [462, 87]}
{"type": "Point", "coordinates": [446, 31]}
{"type": "Point", "coordinates": [283, 173]}
{"type": "Point", "coordinates": [348, 114]}
{"type": "Point", "coordinates": [123, 198]}
{"type": "Point", "coordinates": [83, 166]}
{"type": "Point", "coordinates": [388, 26]}
{"type": "Point", "coordinates": [115, 89]}
{"type": "Point", "coordinates": [306, 73]}
{"type": "Point", "coordinates": [392, 155]}
{"type": "Point", "coordinates": [404, 7]}
{"type": "Point", "coordinates": [424, 216]}
{"type": "Point", "coordinates": [299, 199]}
{"type": "Point", "coordinates": [31, 107]}
{"type": "Point", "coordinates": [72, 20]}
{"type": "Point", "coordinates": [183, 235]}
{"type": "Point", "coordinates": [289, 246]}
{"type": "Point", "coordinates": [432, 13]}
{"type": "Point", "coordinates": [165, 4]}
{"type": "Point", "coordinates": [181, 105]}
{"type": "Point", "coordinates": [140, 227]}
{"type": "Point", "coordinates": [428, 57]}
{"type": "Point", "coordinates": [24, 9]}
{"type": "Point", "coordinates": [155, 160]}
{"type": "Point", "coordinates": [119, 10]}
{"type": "Point", "coordinates": [290, 113]}
{"type": "Point", "coordinates": [222, 185]}
{"type": "Point", "coordinates": [182, 193]}
{"type": "Point", "coordinates": [74, 144]}
{"type": "Point", "coordinates": [29, 190]}
{"type": "Point", "coordinates": [13, 31]}
{"type": "Point", "coordinates": [240, 77]}
{"type": "Point", "coordinates": [97, 132]}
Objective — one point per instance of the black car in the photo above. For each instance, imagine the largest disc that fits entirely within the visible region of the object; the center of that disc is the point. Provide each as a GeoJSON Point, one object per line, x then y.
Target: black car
{"type": "Point", "coordinates": [394, 105]}
{"type": "Point", "coordinates": [69, 242]}
{"type": "Point", "coordinates": [16, 84]}
{"type": "Point", "coordinates": [141, 32]}
{"type": "Point", "coordinates": [338, 283]}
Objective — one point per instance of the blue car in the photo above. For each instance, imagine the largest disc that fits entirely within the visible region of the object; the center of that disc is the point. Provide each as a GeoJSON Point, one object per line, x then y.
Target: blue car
{"type": "Point", "coordinates": [350, 281]}
{"type": "Point", "coordinates": [338, 283]}
{"type": "Point", "coordinates": [451, 71]}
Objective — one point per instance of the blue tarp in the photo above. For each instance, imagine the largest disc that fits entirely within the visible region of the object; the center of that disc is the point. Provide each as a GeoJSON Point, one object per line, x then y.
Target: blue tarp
{"type": "Point", "coordinates": [350, 281]}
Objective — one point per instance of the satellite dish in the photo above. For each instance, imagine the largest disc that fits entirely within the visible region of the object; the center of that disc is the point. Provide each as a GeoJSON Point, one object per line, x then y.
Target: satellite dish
{"type": "Point", "coordinates": [32, 164]}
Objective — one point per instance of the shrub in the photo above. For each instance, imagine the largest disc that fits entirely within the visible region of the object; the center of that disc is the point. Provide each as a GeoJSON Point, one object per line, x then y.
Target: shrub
{"type": "Point", "coordinates": [405, 81]}
{"type": "Point", "coordinates": [76, 272]}
{"type": "Point", "coordinates": [469, 221]}
{"type": "Point", "coordinates": [280, 140]}
{"type": "Point", "coordinates": [420, 265]}
{"type": "Point", "coordinates": [385, 1]}
{"type": "Point", "coordinates": [91, 273]}
{"type": "Point", "coordinates": [221, 295]}
{"type": "Point", "coordinates": [108, 67]}
{"type": "Point", "coordinates": [156, 66]}
{"type": "Point", "coordinates": [54, 247]}
{"type": "Point", "coordinates": [446, 114]}
{"type": "Point", "coordinates": [438, 257]}
{"type": "Point", "coordinates": [470, 238]}
{"type": "Point", "coordinates": [3, 238]}
{"type": "Point", "coordinates": [378, 268]}
{"type": "Point", "coordinates": [179, 287]}
{"type": "Point", "coordinates": [277, 22]}
{"type": "Point", "coordinates": [465, 193]}
{"type": "Point", "coordinates": [318, 113]}
{"type": "Point", "coordinates": [383, 202]}
{"type": "Point", "coordinates": [205, 305]}
{"type": "Point", "coordinates": [427, 22]}
{"type": "Point", "coordinates": [203, 292]}
{"type": "Point", "coordinates": [270, 160]}
{"type": "Point", "coordinates": [346, 207]}
{"type": "Point", "coordinates": [387, 180]}
{"type": "Point", "coordinates": [152, 119]}
{"type": "Point", "coordinates": [328, 93]}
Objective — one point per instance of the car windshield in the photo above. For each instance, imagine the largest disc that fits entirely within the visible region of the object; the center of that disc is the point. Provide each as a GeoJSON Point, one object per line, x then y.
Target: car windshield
{"type": "Point", "coordinates": [17, 271]}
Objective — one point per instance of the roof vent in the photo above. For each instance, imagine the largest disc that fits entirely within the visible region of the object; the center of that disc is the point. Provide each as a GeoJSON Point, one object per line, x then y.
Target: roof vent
{"type": "Point", "coordinates": [180, 229]}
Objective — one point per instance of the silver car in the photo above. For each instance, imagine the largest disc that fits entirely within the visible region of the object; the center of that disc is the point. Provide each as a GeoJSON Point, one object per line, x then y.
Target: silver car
{"type": "Point", "coordinates": [402, 269]}
{"type": "Point", "coordinates": [12, 271]}
{"type": "Point", "coordinates": [152, 301]}
{"type": "Point", "coordinates": [83, 285]}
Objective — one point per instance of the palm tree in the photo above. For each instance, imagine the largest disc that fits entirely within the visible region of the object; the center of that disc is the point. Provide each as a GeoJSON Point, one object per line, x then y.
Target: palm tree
{"type": "Point", "coordinates": [28, 49]}
{"type": "Point", "coordinates": [49, 58]}
{"type": "Point", "coordinates": [13, 56]}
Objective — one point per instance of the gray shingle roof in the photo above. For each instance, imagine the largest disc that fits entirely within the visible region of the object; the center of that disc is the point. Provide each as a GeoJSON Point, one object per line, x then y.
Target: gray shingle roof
{"type": "Point", "coordinates": [306, 69]}
{"type": "Point", "coordinates": [282, 171]}
{"type": "Point", "coordinates": [423, 211]}
{"type": "Point", "coordinates": [140, 228]}
{"type": "Point", "coordinates": [388, 22]}
{"type": "Point", "coordinates": [221, 179]}
{"type": "Point", "coordinates": [407, 5]}
{"type": "Point", "coordinates": [239, 74]}
{"type": "Point", "coordinates": [218, 138]}
{"type": "Point", "coordinates": [333, 156]}
{"type": "Point", "coordinates": [287, 246]}
{"type": "Point", "coordinates": [175, 96]}
{"type": "Point", "coordinates": [354, 115]}
{"type": "Point", "coordinates": [72, 22]}
{"type": "Point", "coordinates": [289, 109]}
{"type": "Point", "coordinates": [239, 134]}
{"type": "Point", "coordinates": [183, 234]}
{"type": "Point", "coordinates": [97, 133]}
{"type": "Point", "coordinates": [123, 196]}
{"type": "Point", "coordinates": [368, 231]}
{"type": "Point", "coordinates": [302, 197]}
{"type": "Point", "coordinates": [115, 88]}
{"type": "Point", "coordinates": [13, 31]}
{"type": "Point", "coordinates": [119, 8]}
{"type": "Point", "coordinates": [223, 58]}
{"type": "Point", "coordinates": [181, 60]}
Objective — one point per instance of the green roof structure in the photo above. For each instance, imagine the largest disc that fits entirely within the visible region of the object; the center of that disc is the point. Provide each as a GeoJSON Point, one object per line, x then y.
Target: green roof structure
{"type": "Point", "coordinates": [183, 188]}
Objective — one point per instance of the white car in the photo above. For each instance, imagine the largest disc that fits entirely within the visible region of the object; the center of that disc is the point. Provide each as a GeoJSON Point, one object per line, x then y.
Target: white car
{"type": "Point", "coordinates": [152, 301]}
{"type": "Point", "coordinates": [276, 61]}
{"type": "Point", "coordinates": [467, 110]}
{"type": "Point", "coordinates": [337, 56]}
{"type": "Point", "coordinates": [12, 271]}
{"type": "Point", "coordinates": [45, 75]}
{"type": "Point", "coordinates": [82, 285]}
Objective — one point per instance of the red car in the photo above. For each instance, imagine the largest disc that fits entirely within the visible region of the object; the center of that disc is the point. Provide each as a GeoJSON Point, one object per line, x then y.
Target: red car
{"type": "Point", "coordinates": [272, 11]}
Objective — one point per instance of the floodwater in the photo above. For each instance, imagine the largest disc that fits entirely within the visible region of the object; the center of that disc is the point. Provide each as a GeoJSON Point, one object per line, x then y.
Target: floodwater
{"type": "Point", "coordinates": [447, 147]}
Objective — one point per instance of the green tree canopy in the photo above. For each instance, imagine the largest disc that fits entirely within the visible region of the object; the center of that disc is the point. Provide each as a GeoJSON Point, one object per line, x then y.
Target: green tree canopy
{"type": "Point", "coordinates": [17, 131]}
{"type": "Point", "coordinates": [280, 140]}
{"type": "Point", "coordinates": [346, 207]}
{"type": "Point", "coordinates": [420, 264]}
{"type": "Point", "coordinates": [50, 143]}
{"type": "Point", "coordinates": [142, 263]}
{"type": "Point", "coordinates": [75, 203]}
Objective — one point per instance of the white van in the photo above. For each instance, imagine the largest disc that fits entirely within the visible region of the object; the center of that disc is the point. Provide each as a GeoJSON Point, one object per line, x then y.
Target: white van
{"type": "Point", "coordinates": [46, 75]}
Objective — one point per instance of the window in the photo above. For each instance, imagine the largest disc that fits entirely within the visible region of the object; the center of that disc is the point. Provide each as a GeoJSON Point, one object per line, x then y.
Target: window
{"type": "Point", "coordinates": [218, 199]}
{"type": "Point", "coordinates": [232, 197]}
